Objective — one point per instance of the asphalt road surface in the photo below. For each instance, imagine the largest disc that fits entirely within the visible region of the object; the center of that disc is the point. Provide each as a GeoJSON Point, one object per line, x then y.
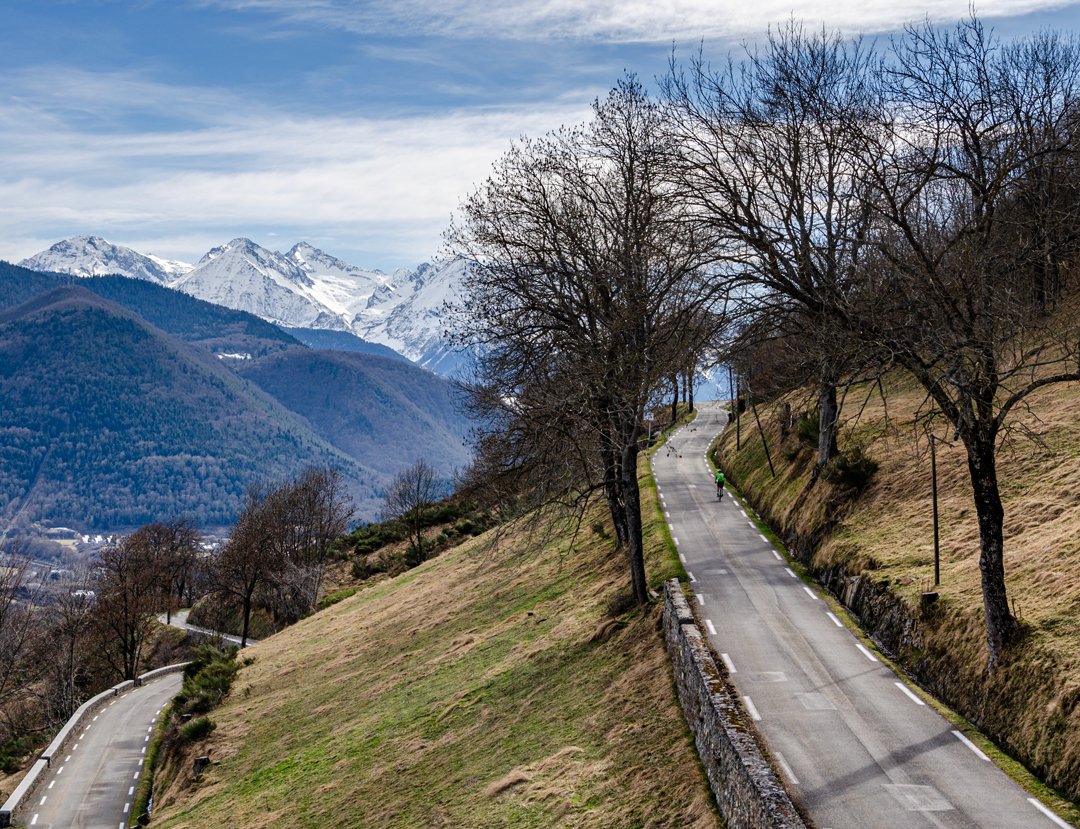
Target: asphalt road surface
{"type": "Point", "coordinates": [91, 785]}
{"type": "Point", "coordinates": [857, 748]}
{"type": "Point", "coordinates": [180, 620]}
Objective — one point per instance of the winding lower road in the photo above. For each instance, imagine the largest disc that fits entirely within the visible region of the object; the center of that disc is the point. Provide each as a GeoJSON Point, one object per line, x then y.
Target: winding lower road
{"type": "Point", "coordinates": [858, 749]}
{"type": "Point", "coordinates": [92, 784]}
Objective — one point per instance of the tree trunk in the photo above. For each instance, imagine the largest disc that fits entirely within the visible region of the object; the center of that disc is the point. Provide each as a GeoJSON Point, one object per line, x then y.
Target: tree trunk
{"type": "Point", "coordinates": [635, 546]}
{"type": "Point", "coordinates": [982, 467]}
{"type": "Point", "coordinates": [675, 398]}
{"type": "Point", "coordinates": [613, 493]}
{"type": "Point", "coordinates": [828, 417]}
{"type": "Point", "coordinates": [690, 387]}
{"type": "Point", "coordinates": [247, 618]}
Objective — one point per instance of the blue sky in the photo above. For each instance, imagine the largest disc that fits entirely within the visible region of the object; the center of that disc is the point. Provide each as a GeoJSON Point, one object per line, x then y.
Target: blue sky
{"type": "Point", "coordinates": [175, 125]}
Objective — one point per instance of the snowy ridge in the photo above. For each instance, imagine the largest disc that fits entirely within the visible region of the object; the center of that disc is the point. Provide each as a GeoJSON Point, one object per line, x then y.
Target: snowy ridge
{"type": "Point", "coordinates": [87, 256]}
{"type": "Point", "coordinates": [303, 288]}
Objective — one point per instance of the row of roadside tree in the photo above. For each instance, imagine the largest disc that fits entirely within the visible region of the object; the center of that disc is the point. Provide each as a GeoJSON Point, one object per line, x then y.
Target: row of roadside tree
{"type": "Point", "coordinates": [857, 208]}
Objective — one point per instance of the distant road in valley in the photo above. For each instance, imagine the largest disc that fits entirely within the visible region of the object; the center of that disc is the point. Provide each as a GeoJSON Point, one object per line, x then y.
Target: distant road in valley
{"type": "Point", "coordinates": [855, 745]}
{"type": "Point", "coordinates": [92, 784]}
{"type": "Point", "coordinates": [180, 620]}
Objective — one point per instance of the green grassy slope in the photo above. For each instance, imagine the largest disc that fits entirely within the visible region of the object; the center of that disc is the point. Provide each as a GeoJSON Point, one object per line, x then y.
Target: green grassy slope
{"type": "Point", "coordinates": [488, 687]}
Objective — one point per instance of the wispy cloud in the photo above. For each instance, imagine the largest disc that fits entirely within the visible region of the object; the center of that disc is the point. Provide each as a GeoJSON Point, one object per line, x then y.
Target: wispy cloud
{"type": "Point", "coordinates": [388, 183]}
{"type": "Point", "coordinates": [618, 20]}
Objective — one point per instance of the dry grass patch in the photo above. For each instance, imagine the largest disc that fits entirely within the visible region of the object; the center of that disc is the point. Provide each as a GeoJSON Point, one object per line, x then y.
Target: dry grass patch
{"type": "Point", "coordinates": [469, 692]}
{"type": "Point", "coordinates": [1031, 706]}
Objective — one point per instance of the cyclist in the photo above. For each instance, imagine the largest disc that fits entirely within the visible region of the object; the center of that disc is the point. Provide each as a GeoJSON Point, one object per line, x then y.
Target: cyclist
{"type": "Point", "coordinates": [719, 484]}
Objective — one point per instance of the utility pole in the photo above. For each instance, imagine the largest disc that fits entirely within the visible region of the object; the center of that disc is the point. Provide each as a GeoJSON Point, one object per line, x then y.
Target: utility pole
{"type": "Point", "coordinates": [933, 489]}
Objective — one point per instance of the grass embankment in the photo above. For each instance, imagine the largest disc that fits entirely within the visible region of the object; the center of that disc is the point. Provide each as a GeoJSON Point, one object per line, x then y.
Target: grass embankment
{"type": "Point", "coordinates": [491, 686]}
{"type": "Point", "coordinates": [1031, 706]}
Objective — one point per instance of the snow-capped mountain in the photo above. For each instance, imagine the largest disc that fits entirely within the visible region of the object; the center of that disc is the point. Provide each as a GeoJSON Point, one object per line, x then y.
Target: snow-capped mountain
{"type": "Point", "coordinates": [94, 256]}
{"type": "Point", "coordinates": [248, 277]}
{"type": "Point", "coordinates": [303, 288]}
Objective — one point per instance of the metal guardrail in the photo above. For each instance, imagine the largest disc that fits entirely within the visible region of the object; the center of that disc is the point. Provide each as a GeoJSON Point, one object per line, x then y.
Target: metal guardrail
{"type": "Point", "coordinates": [33, 777]}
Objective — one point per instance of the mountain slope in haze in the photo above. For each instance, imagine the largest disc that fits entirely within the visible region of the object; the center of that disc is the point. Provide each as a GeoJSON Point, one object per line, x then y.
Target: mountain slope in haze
{"type": "Point", "coordinates": [385, 413]}
{"type": "Point", "coordinates": [341, 341]}
{"type": "Point", "coordinates": [109, 422]}
{"type": "Point", "coordinates": [489, 687]}
{"type": "Point", "coordinates": [94, 256]}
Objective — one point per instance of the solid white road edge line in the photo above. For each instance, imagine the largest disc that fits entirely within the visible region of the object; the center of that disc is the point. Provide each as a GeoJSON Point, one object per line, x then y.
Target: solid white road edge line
{"type": "Point", "coordinates": [909, 694]}
{"type": "Point", "coordinates": [752, 709]}
{"type": "Point", "coordinates": [835, 621]}
{"type": "Point", "coordinates": [971, 745]}
{"type": "Point", "coordinates": [728, 663]}
{"type": "Point", "coordinates": [1049, 814]}
{"type": "Point", "coordinates": [872, 658]}
{"type": "Point", "coordinates": [810, 593]}
{"type": "Point", "coordinates": [709, 625]}
{"type": "Point", "coordinates": [790, 572]}
{"type": "Point", "coordinates": [786, 769]}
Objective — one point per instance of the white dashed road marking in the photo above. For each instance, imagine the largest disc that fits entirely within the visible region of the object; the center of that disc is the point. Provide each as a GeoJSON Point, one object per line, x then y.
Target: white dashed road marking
{"type": "Point", "coordinates": [786, 769]}
{"type": "Point", "coordinates": [709, 625]}
{"type": "Point", "coordinates": [728, 663]}
{"type": "Point", "coordinates": [866, 652]}
{"type": "Point", "coordinates": [752, 709]}
{"type": "Point", "coordinates": [910, 695]}
{"type": "Point", "coordinates": [790, 572]}
{"type": "Point", "coordinates": [970, 745]}
{"type": "Point", "coordinates": [835, 621]}
{"type": "Point", "coordinates": [1048, 813]}
{"type": "Point", "coordinates": [810, 593]}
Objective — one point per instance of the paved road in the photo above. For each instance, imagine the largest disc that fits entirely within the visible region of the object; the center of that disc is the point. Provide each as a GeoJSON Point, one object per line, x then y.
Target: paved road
{"type": "Point", "coordinates": [91, 786]}
{"type": "Point", "coordinates": [180, 620]}
{"type": "Point", "coordinates": [856, 747]}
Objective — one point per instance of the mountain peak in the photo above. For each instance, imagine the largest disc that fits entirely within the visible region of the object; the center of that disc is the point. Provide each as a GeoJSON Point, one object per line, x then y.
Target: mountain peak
{"type": "Point", "coordinates": [85, 256]}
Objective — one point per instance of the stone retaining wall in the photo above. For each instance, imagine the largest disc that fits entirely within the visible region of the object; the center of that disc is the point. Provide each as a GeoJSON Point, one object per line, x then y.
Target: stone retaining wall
{"type": "Point", "coordinates": [748, 792]}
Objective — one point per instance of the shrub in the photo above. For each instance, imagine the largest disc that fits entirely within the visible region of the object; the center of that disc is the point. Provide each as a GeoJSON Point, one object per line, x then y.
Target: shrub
{"type": "Point", "coordinates": [207, 679]}
{"type": "Point", "coordinates": [851, 468]}
{"type": "Point", "coordinates": [807, 427]}
{"type": "Point", "coordinates": [12, 753]}
{"type": "Point", "coordinates": [337, 596]}
{"type": "Point", "coordinates": [197, 729]}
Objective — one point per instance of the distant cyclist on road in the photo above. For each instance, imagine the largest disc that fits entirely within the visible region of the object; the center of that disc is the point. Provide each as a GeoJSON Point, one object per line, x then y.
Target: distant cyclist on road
{"type": "Point", "coordinates": [719, 484]}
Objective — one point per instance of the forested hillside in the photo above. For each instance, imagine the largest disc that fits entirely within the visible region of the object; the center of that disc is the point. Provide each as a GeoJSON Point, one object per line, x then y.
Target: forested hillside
{"type": "Point", "coordinates": [384, 413]}
{"type": "Point", "coordinates": [109, 423]}
{"type": "Point", "coordinates": [115, 421]}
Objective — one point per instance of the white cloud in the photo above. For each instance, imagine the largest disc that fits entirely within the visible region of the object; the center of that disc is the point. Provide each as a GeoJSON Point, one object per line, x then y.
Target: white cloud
{"type": "Point", "coordinates": [387, 184]}
{"type": "Point", "coordinates": [621, 20]}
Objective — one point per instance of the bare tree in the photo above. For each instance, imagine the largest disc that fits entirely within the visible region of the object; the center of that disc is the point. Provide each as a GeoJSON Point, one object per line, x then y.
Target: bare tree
{"type": "Point", "coordinates": [957, 291]}
{"type": "Point", "coordinates": [69, 618]}
{"type": "Point", "coordinates": [127, 583]}
{"type": "Point", "coordinates": [586, 267]}
{"type": "Point", "coordinates": [245, 562]}
{"type": "Point", "coordinates": [409, 499]}
{"type": "Point", "coordinates": [174, 545]}
{"type": "Point", "coordinates": [21, 628]}
{"type": "Point", "coordinates": [770, 157]}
